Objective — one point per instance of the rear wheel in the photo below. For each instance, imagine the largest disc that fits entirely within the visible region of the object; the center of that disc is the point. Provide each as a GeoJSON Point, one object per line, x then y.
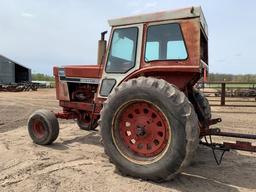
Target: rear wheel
{"type": "Point", "coordinates": [204, 113]}
{"type": "Point", "coordinates": [43, 127]}
{"type": "Point", "coordinates": [151, 133]}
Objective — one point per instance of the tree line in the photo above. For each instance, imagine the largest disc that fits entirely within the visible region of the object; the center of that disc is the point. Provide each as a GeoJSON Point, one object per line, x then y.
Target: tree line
{"type": "Point", "coordinates": [248, 78]}
{"type": "Point", "coordinates": [42, 77]}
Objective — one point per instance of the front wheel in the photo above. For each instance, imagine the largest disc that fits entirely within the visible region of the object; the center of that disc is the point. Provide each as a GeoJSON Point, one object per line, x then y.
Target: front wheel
{"type": "Point", "coordinates": [151, 133]}
{"type": "Point", "coordinates": [43, 127]}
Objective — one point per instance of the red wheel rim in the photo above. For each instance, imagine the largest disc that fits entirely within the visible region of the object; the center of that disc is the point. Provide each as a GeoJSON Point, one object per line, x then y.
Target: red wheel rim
{"type": "Point", "coordinates": [38, 129]}
{"type": "Point", "coordinates": [143, 129]}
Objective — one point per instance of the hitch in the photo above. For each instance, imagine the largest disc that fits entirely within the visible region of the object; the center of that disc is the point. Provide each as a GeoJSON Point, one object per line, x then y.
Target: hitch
{"type": "Point", "coordinates": [214, 121]}
{"type": "Point", "coordinates": [239, 145]}
{"type": "Point", "coordinates": [226, 146]}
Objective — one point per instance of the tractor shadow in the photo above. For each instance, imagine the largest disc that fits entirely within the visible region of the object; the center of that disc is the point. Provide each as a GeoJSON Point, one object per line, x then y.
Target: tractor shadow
{"type": "Point", "coordinates": [92, 138]}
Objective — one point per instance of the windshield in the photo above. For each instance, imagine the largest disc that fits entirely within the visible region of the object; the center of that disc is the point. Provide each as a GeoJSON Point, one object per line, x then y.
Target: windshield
{"type": "Point", "coordinates": [165, 42]}
{"type": "Point", "coordinates": [122, 53]}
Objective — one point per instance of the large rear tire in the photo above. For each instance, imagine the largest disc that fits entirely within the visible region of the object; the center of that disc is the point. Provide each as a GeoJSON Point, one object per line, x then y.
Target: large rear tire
{"type": "Point", "coordinates": [149, 129]}
{"type": "Point", "coordinates": [204, 114]}
{"type": "Point", "coordinates": [43, 127]}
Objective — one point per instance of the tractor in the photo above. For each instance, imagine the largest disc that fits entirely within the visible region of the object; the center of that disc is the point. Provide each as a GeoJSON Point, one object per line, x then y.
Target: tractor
{"type": "Point", "coordinates": [141, 95]}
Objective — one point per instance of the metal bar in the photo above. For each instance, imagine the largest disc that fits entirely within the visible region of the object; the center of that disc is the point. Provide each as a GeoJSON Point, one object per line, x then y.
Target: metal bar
{"type": "Point", "coordinates": [243, 146]}
{"type": "Point", "coordinates": [66, 115]}
{"type": "Point", "coordinates": [239, 145]}
{"type": "Point", "coordinates": [230, 82]}
{"type": "Point", "coordinates": [235, 101]}
{"type": "Point", "coordinates": [234, 105]}
{"type": "Point", "coordinates": [92, 119]}
{"type": "Point", "coordinates": [77, 105]}
{"type": "Point", "coordinates": [235, 135]}
{"type": "Point", "coordinates": [214, 121]}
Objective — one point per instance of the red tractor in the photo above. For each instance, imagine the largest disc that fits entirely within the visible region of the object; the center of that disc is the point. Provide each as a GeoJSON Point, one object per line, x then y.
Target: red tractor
{"type": "Point", "coordinates": [141, 94]}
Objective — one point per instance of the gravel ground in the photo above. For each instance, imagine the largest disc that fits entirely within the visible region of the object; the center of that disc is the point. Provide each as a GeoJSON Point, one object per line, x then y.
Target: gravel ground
{"type": "Point", "coordinates": [76, 161]}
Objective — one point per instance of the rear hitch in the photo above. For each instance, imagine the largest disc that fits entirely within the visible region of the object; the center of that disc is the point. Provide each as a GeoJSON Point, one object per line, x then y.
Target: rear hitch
{"type": "Point", "coordinates": [214, 121]}
{"type": "Point", "coordinates": [226, 146]}
{"type": "Point", "coordinates": [239, 145]}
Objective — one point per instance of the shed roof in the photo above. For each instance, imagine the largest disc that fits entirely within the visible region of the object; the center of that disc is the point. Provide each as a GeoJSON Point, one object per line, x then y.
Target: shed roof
{"type": "Point", "coordinates": [7, 60]}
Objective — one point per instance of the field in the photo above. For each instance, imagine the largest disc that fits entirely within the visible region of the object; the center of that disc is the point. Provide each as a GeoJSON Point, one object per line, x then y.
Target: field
{"type": "Point", "coordinates": [76, 161]}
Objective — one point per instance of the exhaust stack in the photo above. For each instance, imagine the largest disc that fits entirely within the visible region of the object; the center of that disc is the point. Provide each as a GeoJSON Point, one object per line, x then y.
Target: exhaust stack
{"type": "Point", "coordinates": [102, 44]}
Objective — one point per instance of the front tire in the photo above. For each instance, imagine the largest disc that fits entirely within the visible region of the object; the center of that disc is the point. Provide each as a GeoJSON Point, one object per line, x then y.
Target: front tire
{"type": "Point", "coordinates": [43, 127]}
{"type": "Point", "coordinates": [149, 129]}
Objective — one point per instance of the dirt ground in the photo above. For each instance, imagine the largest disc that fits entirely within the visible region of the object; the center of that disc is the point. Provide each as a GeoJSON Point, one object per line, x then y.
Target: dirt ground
{"type": "Point", "coordinates": [76, 161]}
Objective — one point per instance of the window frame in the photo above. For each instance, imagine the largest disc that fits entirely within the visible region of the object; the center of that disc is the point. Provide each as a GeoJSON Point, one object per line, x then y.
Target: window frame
{"type": "Point", "coordinates": [110, 48]}
{"type": "Point", "coordinates": [158, 60]}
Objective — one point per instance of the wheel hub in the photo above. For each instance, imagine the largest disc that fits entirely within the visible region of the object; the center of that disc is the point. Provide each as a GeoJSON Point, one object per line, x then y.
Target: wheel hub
{"type": "Point", "coordinates": [143, 129]}
{"type": "Point", "coordinates": [140, 131]}
{"type": "Point", "coordinates": [38, 129]}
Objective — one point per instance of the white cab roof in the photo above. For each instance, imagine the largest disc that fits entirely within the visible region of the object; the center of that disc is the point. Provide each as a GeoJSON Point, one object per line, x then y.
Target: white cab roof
{"type": "Point", "coordinates": [186, 13]}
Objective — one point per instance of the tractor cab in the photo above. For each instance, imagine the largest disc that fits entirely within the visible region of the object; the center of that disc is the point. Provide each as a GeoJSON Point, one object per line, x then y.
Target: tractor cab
{"type": "Point", "coordinates": [171, 44]}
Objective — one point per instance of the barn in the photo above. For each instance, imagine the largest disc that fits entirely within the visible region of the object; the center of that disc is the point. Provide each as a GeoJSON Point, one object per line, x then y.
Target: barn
{"type": "Point", "coordinates": [13, 72]}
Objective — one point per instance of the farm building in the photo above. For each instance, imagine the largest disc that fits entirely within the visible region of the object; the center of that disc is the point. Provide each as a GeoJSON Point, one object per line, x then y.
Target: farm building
{"type": "Point", "coordinates": [13, 72]}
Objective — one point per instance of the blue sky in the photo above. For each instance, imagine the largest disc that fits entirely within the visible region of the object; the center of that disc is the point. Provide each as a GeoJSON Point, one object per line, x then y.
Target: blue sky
{"type": "Point", "coordinates": [44, 33]}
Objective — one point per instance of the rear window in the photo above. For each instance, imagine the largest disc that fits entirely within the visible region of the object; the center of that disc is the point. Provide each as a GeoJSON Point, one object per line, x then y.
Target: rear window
{"type": "Point", "coordinates": [165, 42]}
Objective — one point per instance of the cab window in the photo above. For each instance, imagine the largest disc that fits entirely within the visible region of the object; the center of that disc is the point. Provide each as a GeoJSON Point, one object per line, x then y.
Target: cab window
{"type": "Point", "coordinates": [165, 42]}
{"type": "Point", "coordinates": [122, 54]}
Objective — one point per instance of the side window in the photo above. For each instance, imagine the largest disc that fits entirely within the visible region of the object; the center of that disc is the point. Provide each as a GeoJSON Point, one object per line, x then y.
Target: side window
{"type": "Point", "coordinates": [122, 54]}
{"type": "Point", "coordinates": [165, 42]}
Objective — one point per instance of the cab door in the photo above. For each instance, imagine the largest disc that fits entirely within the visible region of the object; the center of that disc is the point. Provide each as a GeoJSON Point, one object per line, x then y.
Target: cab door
{"type": "Point", "coordinates": [123, 57]}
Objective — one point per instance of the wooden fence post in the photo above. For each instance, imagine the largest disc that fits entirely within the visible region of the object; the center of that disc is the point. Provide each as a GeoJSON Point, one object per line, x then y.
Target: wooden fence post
{"type": "Point", "coordinates": [223, 94]}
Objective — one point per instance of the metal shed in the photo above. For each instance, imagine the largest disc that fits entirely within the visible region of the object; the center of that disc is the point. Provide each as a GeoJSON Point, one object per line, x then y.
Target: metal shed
{"type": "Point", "coordinates": [13, 72]}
